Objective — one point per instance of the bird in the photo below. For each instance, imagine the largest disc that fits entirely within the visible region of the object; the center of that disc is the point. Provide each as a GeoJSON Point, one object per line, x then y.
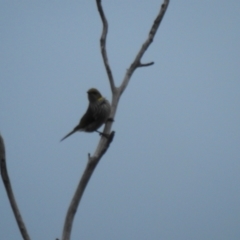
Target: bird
{"type": "Point", "coordinates": [96, 115]}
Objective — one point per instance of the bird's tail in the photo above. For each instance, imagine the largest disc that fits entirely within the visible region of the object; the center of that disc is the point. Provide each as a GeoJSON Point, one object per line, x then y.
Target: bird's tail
{"type": "Point", "coordinates": [69, 134]}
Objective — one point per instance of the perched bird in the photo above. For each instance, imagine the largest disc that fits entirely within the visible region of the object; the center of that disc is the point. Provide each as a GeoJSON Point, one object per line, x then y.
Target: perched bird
{"type": "Point", "coordinates": [96, 115]}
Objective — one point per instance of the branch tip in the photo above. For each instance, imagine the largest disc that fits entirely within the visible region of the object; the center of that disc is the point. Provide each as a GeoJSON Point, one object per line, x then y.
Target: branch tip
{"type": "Point", "coordinates": [145, 64]}
{"type": "Point", "coordinates": [103, 45]}
{"type": "Point", "coordinates": [137, 61]}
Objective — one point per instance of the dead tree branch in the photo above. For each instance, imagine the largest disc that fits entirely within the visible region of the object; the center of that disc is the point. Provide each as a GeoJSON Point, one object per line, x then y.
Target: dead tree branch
{"type": "Point", "coordinates": [116, 93]}
{"type": "Point", "coordinates": [137, 61]}
{"type": "Point", "coordinates": [8, 187]}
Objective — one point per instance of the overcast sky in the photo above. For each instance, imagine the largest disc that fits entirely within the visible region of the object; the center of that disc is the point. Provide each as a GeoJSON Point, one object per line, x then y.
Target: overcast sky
{"type": "Point", "coordinates": [172, 171]}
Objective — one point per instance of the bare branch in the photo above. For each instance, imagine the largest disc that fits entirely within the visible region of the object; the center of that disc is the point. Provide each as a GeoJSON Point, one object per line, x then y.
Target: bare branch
{"type": "Point", "coordinates": [103, 44]}
{"type": "Point", "coordinates": [117, 91]}
{"type": "Point", "coordinates": [92, 163]}
{"type": "Point", "coordinates": [146, 44]}
{"type": "Point", "coordinates": [8, 187]}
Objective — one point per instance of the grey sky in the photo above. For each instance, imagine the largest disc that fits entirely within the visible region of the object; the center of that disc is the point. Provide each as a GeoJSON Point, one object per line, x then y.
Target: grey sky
{"type": "Point", "coordinates": [172, 171]}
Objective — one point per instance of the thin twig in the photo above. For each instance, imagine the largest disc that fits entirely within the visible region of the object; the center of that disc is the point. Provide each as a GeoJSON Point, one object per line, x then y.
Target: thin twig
{"type": "Point", "coordinates": [145, 64]}
{"type": "Point", "coordinates": [8, 187]}
{"type": "Point", "coordinates": [91, 165]}
{"type": "Point", "coordinates": [136, 63]}
{"type": "Point", "coordinates": [103, 45]}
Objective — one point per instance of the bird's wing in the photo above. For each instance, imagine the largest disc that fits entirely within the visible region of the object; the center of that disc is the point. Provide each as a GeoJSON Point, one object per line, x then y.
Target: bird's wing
{"type": "Point", "coordinates": [86, 119]}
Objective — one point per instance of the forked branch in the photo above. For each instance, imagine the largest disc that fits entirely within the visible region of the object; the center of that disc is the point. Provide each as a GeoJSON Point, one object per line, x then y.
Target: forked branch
{"type": "Point", "coordinates": [137, 61]}
{"type": "Point", "coordinates": [116, 93]}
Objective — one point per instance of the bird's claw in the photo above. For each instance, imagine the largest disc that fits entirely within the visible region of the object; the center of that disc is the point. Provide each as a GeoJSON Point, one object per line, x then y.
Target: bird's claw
{"type": "Point", "coordinates": [104, 135]}
{"type": "Point", "coordinates": [110, 120]}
